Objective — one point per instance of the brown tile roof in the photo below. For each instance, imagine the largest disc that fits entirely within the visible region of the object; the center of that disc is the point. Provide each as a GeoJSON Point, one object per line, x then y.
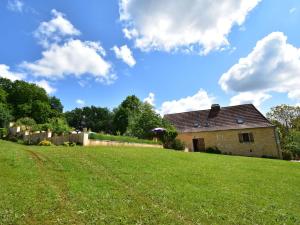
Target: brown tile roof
{"type": "Point", "coordinates": [224, 119]}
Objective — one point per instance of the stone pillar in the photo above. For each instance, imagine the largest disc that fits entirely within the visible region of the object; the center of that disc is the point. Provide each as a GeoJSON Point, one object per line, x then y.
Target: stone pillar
{"type": "Point", "coordinates": [49, 134]}
{"type": "Point", "coordinates": [85, 141]}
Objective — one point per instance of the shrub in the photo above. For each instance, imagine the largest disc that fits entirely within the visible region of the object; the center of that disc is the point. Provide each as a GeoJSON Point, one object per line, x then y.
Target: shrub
{"type": "Point", "coordinates": [26, 121]}
{"type": "Point", "coordinates": [3, 132]}
{"type": "Point", "coordinates": [69, 144]}
{"type": "Point", "coordinates": [13, 139]}
{"type": "Point", "coordinates": [175, 144]}
{"type": "Point", "coordinates": [213, 150]}
{"type": "Point", "coordinates": [286, 155]}
{"type": "Point", "coordinates": [58, 125]}
{"type": "Point", "coordinates": [45, 143]}
{"type": "Point", "coordinates": [178, 145]}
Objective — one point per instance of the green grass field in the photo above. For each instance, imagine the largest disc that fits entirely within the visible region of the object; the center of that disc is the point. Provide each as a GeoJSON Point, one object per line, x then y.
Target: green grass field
{"type": "Point", "coordinates": [107, 137]}
{"type": "Point", "coordinates": [61, 185]}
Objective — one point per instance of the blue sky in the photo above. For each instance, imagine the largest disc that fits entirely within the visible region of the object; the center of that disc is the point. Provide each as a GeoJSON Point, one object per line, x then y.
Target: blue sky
{"type": "Point", "coordinates": [177, 56]}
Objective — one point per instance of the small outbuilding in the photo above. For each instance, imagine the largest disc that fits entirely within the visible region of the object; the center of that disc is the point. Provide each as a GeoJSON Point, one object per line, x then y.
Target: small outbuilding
{"type": "Point", "coordinates": [235, 130]}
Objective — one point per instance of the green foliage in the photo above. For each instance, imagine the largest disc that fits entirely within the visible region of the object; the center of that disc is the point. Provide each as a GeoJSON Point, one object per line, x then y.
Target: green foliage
{"type": "Point", "coordinates": [24, 99]}
{"type": "Point", "coordinates": [168, 137]}
{"type": "Point", "coordinates": [177, 144]}
{"type": "Point", "coordinates": [56, 105]}
{"type": "Point", "coordinates": [26, 121]}
{"type": "Point", "coordinates": [58, 125]}
{"type": "Point", "coordinates": [107, 137]}
{"type": "Point", "coordinates": [69, 144]}
{"type": "Point", "coordinates": [141, 125]}
{"type": "Point", "coordinates": [213, 150]}
{"type": "Point", "coordinates": [284, 114]}
{"type": "Point", "coordinates": [94, 118]}
{"type": "Point", "coordinates": [3, 95]}
{"type": "Point", "coordinates": [5, 115]}
{"type": "Point", "coordinates": [3, 132]}
{"type": "Point", "coordinates": [128, 110]}
{"type": "Point", "coordinates": [45, 143]}
{"type": "Point", "coordinates": [287, 120]}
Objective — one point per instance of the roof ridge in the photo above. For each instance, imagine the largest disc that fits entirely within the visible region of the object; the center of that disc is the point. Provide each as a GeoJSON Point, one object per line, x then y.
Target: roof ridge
{"type": "Point", "coordinates": [231, 106]}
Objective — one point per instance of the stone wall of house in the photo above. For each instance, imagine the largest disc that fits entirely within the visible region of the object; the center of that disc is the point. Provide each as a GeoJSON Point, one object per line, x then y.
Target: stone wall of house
{"type": "Point", "coordinates": [265, 142]}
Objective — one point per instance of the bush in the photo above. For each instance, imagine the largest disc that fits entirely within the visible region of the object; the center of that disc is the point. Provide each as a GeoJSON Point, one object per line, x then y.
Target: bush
{"type": "Point", "coordinates": [26, 121]}
{"type": "Point", "coordinates": [69, 144]}
{"type": "Point", "coordinates": [45, 143]}
{"type": "Point", "coordinates": [213, 150]}
{"type": "Point", "coordinates": [175, 144]}
{"type": "Point", "coordinates": [286, 155]}
{"type": "Point", "coordinates": [3, 132]}
{"type": "Point", "coordinates": [13, 139]}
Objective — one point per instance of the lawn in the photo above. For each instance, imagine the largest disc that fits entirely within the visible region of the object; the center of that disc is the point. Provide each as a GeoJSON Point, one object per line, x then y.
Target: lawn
{"type": "Point", "coordinates": [107, 137]}
{"type": "Point", "coordinates": [110, 185]}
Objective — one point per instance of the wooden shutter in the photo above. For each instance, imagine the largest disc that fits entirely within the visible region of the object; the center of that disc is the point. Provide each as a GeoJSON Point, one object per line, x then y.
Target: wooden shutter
{"type": "Point", "coordinates": [251, 137]}
{"type": "Point", "coordinates": [241, 137]}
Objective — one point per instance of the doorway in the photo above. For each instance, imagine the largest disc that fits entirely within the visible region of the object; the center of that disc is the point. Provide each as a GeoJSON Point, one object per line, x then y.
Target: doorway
{"type": "Point", "coordinates": [199, 145]}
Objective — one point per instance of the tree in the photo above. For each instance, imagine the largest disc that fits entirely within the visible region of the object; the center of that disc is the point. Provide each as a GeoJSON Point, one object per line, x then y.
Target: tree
{"type": "Point", "coordinates": [40, 111]}
{"type": "Point", "coordinates": [286, 118]}
{"type": "Point", "coordinates": [5, 115]}
{"type": "Point", "coordinates": [284, 114]}
{"type": "Point", "coordinates": [56, 105]}
{"type": "Point", "coordinates": [28, 122]}
{"type": "Point", "coordinates": [58, 125]}
{"type": "Point", "coordinates": [95, 118]}
{"type": "Point", "coordinates": [127, 111]}
{"type": "Point", "coordinates": [3, 96]}
{"type": "Point", "coordinates": [144, 122]}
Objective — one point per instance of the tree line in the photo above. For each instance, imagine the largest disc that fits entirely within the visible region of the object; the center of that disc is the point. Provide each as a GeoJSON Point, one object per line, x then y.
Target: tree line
{"type": "Point", "coordinates": [29, 105]}
{"type": "Point", "coordinates": [287, 120]}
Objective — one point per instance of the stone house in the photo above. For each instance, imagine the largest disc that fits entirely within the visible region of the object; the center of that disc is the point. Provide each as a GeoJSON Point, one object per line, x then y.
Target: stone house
{"type": "Point", "coordinates": [237, 130]}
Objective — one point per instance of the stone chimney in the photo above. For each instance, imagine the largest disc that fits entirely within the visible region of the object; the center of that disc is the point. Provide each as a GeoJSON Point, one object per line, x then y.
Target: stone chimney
{"type": "Point", "coordinates": [214, 110]}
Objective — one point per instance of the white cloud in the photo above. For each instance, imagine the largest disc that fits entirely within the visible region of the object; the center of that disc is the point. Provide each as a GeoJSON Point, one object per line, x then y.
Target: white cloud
{"type": "Point", "coordinates": [80, 102]}
{"type": "Point", "coordinates": [250, 97]}
{"type": "Point", "coordinates": [201, 100]}
{"type": "Point", "coordinates": [272, 66]}
{"type": "Point", "coordinates": [292, 10]}
{"type": "Point", "coordinates": [74, 57]}
{"type": "Point", "coordinates": [45, 84]}
{"type": "Point", "coordinates": [191, 24]}
{"type": "Point", "coordinates": [125, 54]}
{"type": "Point", "coordinates": [55, 30]}
{"type": "Point", "coordinates": [15, 5]}
{"type": "Point", "coordinates": [150, 99]}
{"type": "Point", "coordinates": [6, 73]}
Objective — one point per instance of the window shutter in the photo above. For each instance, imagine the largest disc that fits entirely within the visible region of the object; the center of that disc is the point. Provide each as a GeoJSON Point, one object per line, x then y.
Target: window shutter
{"type": "Point", "coordinates": [251, 137]}
{"type": "Point", "coordinates": [241, 137]}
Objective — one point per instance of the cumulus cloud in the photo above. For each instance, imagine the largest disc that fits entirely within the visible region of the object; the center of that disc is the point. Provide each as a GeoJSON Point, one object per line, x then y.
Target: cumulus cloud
{"type": "Point", "coordinates": [55, 30]}
{"type": "Point", "coordinates": [150, 99]}
{"type": "Point", "coordinates": [191, 24]}
{"type": "Point", "coordinates": [201, 100]}
{"type": "Point", "coordinates": [80, 102]}
{"type": "Point", "coordinates": [15, 5]}
{"type": "Point", "coordinates": [73, 57]}
{"type": "Point", "coordinates": [273, 65]}
{"type": "Point", "coordinates": [66, 56]}
{"type": "Point", "coordinates": [124, 53]}
{"type": "Point", "coordinates": [45, 84]}
{"type": "Point", "coordinates": [5, 72]}
{"type": "Point", "coordinates": [250, 97]}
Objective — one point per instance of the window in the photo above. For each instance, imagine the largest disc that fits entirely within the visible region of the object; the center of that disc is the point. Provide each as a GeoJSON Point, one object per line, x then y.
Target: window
{"type": "Point", "coordinates": [246, 137]}
{"type": "Point", "coordinates": [240, 120]}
